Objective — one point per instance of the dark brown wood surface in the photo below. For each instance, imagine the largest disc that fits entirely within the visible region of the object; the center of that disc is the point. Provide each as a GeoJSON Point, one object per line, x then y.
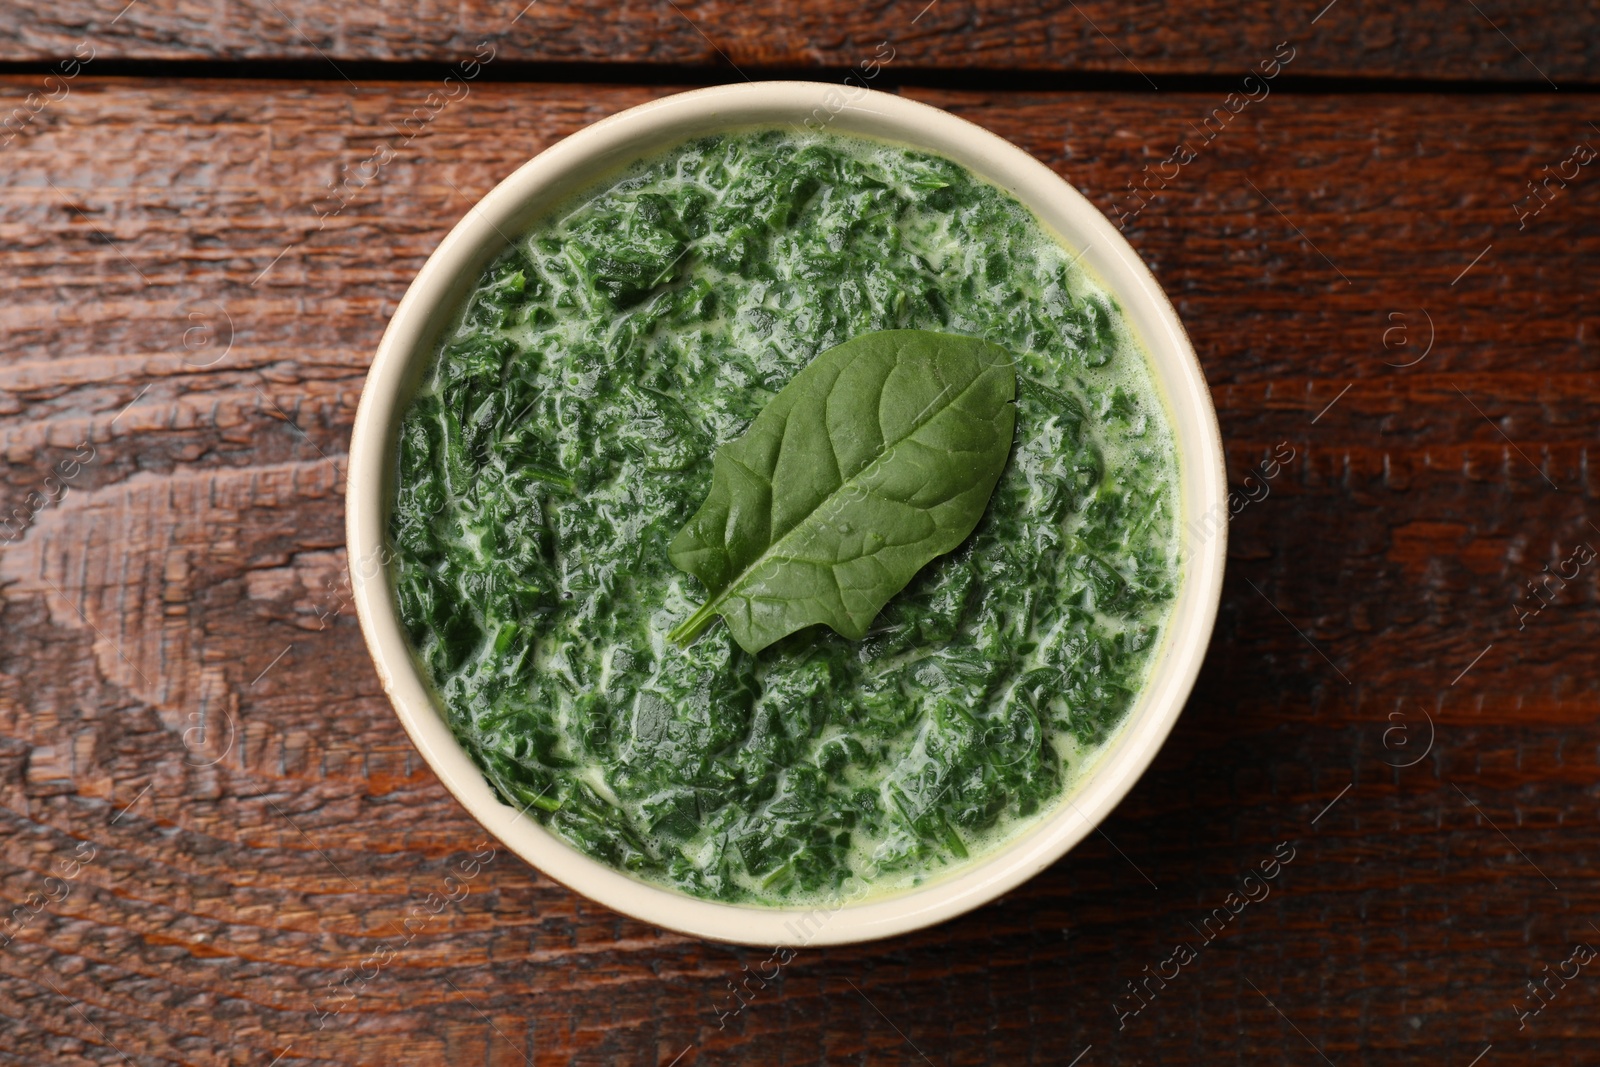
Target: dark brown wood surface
{"type": "Point", "coordinates": [225, 831]}
{"type": "Point", "coordinates": [1456, 40]}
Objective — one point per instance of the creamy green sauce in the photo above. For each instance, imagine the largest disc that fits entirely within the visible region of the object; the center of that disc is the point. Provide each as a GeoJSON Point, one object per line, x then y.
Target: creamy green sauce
{"type": "Point", "coordinates": [565, 434]}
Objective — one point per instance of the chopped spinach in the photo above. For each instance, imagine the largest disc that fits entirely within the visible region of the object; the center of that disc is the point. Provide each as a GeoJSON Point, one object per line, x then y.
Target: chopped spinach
{"type": "Point", "coordinates": [564, 436]}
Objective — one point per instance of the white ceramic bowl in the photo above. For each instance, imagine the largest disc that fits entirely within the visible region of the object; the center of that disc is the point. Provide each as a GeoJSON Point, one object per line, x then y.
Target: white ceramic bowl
{"type": "Point", "coordinates": [577, 162]}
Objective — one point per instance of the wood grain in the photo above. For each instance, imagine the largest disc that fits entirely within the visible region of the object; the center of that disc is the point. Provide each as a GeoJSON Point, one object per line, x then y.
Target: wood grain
{"type": "Point", "coordinates": [185, 700]}
{"type": "Point", "coordinates": [1509, 40]}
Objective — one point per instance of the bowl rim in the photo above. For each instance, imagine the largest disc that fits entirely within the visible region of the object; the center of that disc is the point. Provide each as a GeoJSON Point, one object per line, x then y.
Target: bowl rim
{"type": "Point", "coordinates": [579, 160]}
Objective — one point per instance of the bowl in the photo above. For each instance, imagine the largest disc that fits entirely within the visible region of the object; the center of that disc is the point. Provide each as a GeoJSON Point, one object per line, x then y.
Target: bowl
{"type": "Point", "coordinates": [579, 162]}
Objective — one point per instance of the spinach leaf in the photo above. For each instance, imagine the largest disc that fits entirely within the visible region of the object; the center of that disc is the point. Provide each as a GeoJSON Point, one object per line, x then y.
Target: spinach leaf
{"type": "Point", "coordinates": [874, 459]}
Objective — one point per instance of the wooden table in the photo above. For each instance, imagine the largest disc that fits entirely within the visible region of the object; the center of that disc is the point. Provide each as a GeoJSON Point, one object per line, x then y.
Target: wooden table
{"type": "Point", "coordinates": [214, 830]}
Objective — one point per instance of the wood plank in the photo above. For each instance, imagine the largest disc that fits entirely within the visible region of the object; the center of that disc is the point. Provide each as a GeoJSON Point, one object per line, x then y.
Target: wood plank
{"type": "Point", "coordinates": [184, 692]}
{"type": "Point", "coordinates": [1510, 40]}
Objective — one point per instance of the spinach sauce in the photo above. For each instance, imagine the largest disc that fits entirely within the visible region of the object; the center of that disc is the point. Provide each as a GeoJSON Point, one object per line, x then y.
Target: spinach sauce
{"type": "Point", "coordinates": [565, 434]}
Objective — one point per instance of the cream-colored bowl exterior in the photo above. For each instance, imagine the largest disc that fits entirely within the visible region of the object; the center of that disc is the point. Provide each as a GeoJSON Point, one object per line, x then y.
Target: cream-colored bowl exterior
{"type": "Point", "coordinates": [577, 162]}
